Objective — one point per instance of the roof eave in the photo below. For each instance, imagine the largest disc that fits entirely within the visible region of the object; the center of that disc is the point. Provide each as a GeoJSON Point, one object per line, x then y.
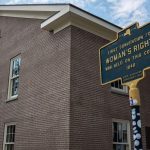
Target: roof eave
{"type": "Point", "coordinates": [30, 11]}
{"type": "Point", "coordinates": [71, 15]}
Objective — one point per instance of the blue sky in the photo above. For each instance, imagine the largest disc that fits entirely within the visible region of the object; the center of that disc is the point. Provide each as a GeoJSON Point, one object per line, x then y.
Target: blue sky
{"type": "Point", "coordinates": [119, 12]}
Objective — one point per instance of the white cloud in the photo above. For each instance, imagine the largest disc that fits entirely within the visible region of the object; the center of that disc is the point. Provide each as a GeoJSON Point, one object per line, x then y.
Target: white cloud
{"type": "Point", "coordinates": [111, 1]}
{"type": "Point", "coordinates": [128, 11]}
{"type": "Point", "coordinates": [120, 12]}
{"type": "Point", "coordinates": [13, 2]}
{"type": "Point", "coordinates": [39, 1]}
{"type": "Point", "coordinates": [79, 3]}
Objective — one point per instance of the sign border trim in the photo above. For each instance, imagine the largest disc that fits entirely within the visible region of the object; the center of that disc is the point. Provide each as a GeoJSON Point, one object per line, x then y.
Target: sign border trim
{"type": "Point", "coordinates": [138, 27]}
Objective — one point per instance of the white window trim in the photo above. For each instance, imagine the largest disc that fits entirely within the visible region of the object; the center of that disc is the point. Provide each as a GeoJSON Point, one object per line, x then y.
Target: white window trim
{"type": "Point", "coordinates": [128, 131]}
{"type": "Point", "coordinates": [124, 90]}
{"type": "Point", "coordinates": [5, 132]}
{"type": "Point", "coordinates": [120, 91]}
{"type": "Point", "coordinates": [9, 97]}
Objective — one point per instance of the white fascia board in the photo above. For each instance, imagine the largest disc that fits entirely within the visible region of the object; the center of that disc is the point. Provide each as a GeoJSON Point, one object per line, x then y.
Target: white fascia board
{"type": "Point", "coordinates": [30, 11]}
{"type": "Point", "coordinates": [55, 17]}
{"type": "Point", "coordinates": [94, 19]}
{"type": "Point", "coordinates": [76, 17]}
{"type": "Point", "coordinates": [32, 8]}
{"type": "Point", "coordinates": [27, 14]}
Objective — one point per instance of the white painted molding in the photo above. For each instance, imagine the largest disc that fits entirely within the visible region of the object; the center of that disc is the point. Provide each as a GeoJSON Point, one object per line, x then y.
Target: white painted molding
{"type": "Point", "coordinates": [73, 16]}
{"type": "Point", "coordinates": [59, 16]}
{"type": "Point", "coordinates": [30, 11]}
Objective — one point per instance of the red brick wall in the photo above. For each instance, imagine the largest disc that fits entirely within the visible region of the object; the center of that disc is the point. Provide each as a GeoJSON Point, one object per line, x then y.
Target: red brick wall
{"type": "Point", "coordinates": [144, 87]}
{"type": "Point", "coordinates": [61, 104]}
{"type": "Point", "coordinates": [93, 106]}
{"type": "Point", "coordinates": [41, 112]}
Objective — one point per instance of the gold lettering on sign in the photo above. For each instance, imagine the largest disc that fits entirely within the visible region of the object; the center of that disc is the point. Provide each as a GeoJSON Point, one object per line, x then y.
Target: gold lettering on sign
{"type": "Point", "coordinates": [141, 45]}
{"type": "Point", "coordinates": [137, 56]}
{"type": "Point", "coordinates": [147, 52]}
{"type": "Point", "coordinates": [118, 56]}
{"type": "Point", "coordinates": [130, 66]}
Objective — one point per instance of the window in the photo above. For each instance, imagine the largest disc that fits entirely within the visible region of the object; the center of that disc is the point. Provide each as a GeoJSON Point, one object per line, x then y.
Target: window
{"type": "Point", "coordinates": [9, 137]}
{"type": "Point", "coordinates": [121, 135]}
{"type": "Point", "coordinates": [14, 78]}
{"type": "Point", "coordinates": [147, 131]}
{"type": "Point", "coordinates": [117, 87]}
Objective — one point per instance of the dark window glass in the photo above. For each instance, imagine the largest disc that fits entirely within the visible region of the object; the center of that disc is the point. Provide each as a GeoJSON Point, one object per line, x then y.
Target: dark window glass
{"type": "Point", "coordinates": [10, 137]}
{"type": "Point", "coordinates": [120, 141]}
{"type": "Point", "coordinates": [15, 84]}
{"type": "Point", "coordinates": [115, 132]}
{"type": "Point", "coordinates": [147, 131]}
{"type": "Point", "coordinates": [120, 147]}
{"type": "Point", "coordinates": [9, 147]}
{"type": "Point", "coordinates": [15, 67]}
{"type": "Point", "coordinates": [14, 76]}
{"type": "Point", "coordinates": [119, 132]}
{"type": "Point", "coordinates": [117, 84]}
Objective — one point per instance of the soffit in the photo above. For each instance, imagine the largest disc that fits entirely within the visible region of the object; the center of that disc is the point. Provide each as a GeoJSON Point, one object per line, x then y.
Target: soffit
{"type": "Point", "coordinates": [71, 15]}
{"type": "Point", "coordinates": [30, 11]}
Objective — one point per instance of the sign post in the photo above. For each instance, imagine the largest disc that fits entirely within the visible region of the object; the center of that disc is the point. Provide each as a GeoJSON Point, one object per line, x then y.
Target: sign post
{"type": "Point", "coordinates": [134, 98]}
{"type": "Point", "coordinates": [126, 59]}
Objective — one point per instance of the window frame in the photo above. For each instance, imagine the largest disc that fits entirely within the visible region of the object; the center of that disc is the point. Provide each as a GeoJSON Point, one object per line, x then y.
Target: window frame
{"type": "Point", "coordinates": [9, 95]}
{"type": "Point", "coordinates": [124, 90]}
{"type": "Point", "coordinates": [5, 134]}
{"type": "Point", "coordinates": [128, 132]}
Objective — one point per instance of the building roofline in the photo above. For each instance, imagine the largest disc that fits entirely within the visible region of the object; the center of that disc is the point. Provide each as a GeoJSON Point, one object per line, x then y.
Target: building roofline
{"type": "Point", "coordinates": [34, 11]}
{"type": "Point", "coordinates": [58, 16]}
{"type": "Point", "coordinates": [95, 16]}
{"type": "Point", "coordinates": [72, 15]}
{"type": "Point", "coordinates": [34, 4]}
{"type": "Point", "coordinates": [65, 4]}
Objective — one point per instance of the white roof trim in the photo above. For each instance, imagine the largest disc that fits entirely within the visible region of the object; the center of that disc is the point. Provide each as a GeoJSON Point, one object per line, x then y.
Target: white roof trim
{"type": "Point", "coordinates": [73, 16]}
{"type": "Point", "coordinates": [30, 11]}
{"type": "Point", "coordinates": [55, 17]}
{"type": "Point", "coordinates": [62, 15]}
{"type": "Point", "coordinates": [93, 19]}
{"type": "Point", "coordinates": [32, 7]}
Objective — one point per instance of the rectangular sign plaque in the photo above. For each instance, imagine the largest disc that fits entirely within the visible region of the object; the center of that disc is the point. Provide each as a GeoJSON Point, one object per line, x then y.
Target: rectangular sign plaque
{"type": "Point", "coordinates": [127, 57]}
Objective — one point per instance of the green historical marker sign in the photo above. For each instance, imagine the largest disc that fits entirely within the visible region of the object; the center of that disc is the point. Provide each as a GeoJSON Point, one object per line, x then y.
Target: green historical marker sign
{"type": "Point", "coordinates": [127, 57]}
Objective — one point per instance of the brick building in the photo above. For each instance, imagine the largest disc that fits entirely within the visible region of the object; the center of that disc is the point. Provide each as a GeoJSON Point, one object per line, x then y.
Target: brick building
{"type": "Point", "coordinates": [50, 92]}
